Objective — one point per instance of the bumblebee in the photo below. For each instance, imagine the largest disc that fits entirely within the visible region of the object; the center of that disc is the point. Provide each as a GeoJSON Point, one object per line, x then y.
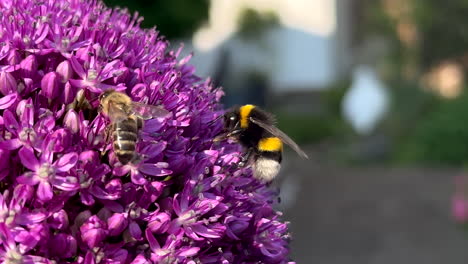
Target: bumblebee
{"type": "Point", "coordinates": [126, 119]}
{"type": "Point", "coordinates": [255, 130]}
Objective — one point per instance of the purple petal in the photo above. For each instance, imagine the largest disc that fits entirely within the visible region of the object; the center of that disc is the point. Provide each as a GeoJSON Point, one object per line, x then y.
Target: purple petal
{"type": "Point", "coordinates": [78, 83]}
{"type": "Point", "coordinates": [89, 258]}
{"type": "Point", "coordinates": [13, 57]}
{"type": "Point", "coordinates": [44, 191]}
{"type": "Point", "coordinates": [29, 178]}
{"type": "Point", "coordinates": [121, 171]}
{"type": "Point", "coordinates": [86, 198]}
{"type": "Point", "coordinates": [8, 83]}
{"type": "Point", "coordinates": [190, 233]}
{"type": "Point", "coordinates": [135, 230]}
{"type": "Point", "coordinates": [66, 162]}
{"type": "Point", "coordinates": [137, 178]}
{"type": "Point", "coordinates": [25, 110]}
{"type": "Point", "coordinates": [155, 169]}
{"type": "Point", "coordinates": [68, 183]}
{"type": "Point", "coordinates": [152, 150]}
{"type": "Point", "coordinates": [188, 252]}
{"type": "Point", "coordinates": [140, 259]}
{"type": "Point", "coordinates": [11, 144]}
{"type": "Point", "coordinates": [28, 159]}
{"type": "Point", "coordinates": [153, 125]}
{"type": "Point", "coordinates": [23, 193]}
{"type": "Point", "coordinates": [77, 67]}
{"type": "Point", "coordinates": [10, 121]}
{"type": "Point", "coordinates": [30, 218]}
{"type": "Point", "coordinates": [8, 100]}
{"type": "Point", "coordinates": [153, 243]}
{"type": "Point", "coordinates": [6, 237]}
{"type": "Point", "coordinates": [215, 231]}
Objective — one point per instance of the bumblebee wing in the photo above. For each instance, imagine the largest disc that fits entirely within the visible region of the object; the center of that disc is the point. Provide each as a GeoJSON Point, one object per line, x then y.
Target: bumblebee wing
{"type": "Point", "coordinates": [116, 112]}
{"type": "Point", "coordinates": [146, 111]}
{"type": "Point", "coordinates": [281, 135]}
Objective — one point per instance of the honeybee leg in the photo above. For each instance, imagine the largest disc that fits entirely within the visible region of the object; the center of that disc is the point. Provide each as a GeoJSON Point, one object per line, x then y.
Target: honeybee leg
{"type": "Point", "coordinates": [139, 122]}
{"type": "Point", "coordinates": [107, 138]}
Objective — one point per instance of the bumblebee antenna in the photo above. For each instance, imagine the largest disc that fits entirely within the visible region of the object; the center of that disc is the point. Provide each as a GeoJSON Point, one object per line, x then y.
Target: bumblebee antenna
{"type": "Point", "coordinates": [216, 119]}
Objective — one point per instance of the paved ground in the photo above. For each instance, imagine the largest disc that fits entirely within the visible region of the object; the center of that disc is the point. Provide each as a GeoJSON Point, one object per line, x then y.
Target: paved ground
{"type": "Point", "coordinates": [371, 215]}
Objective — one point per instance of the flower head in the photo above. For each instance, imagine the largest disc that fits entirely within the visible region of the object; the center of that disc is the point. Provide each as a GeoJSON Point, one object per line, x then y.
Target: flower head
{"type": "Point", "coordinates": [64, 197]}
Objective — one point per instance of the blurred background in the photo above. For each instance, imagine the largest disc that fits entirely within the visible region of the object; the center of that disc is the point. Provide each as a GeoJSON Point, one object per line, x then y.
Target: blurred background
{"type": "Point", "coordinates": [374, 90]}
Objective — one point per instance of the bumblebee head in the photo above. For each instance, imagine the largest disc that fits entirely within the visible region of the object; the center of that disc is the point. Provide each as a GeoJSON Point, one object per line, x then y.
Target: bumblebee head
{"type": "Point", "coordinates": [231, 126]}
{"type": "Point", "coordinates": [231, 121]}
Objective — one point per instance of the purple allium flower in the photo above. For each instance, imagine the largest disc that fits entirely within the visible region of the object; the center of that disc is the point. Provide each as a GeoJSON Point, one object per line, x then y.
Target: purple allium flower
{"type": "Point", "coordinates": [460, 199]}
{"type": "Point", "coordinates": [64, 198]}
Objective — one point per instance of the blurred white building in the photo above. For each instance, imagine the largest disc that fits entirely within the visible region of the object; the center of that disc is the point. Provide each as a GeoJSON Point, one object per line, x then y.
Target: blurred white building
{"type": "Point", "coordinates": [308, 51]}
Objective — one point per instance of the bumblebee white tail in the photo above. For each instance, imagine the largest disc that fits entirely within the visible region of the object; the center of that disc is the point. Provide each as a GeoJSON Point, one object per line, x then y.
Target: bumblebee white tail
{"type": "Point", "coordinates": [266, 169]}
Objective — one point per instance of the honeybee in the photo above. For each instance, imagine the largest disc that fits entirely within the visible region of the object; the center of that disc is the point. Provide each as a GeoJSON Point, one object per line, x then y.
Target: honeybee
{"type": "Point", "coordinates": [126, 119]}
{"type": "Point", "coordinates": [255, 130]}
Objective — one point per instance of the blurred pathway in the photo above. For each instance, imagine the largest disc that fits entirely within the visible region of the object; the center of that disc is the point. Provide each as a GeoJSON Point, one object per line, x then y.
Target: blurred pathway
{"type": "Point", "coordinates": [371, 215]}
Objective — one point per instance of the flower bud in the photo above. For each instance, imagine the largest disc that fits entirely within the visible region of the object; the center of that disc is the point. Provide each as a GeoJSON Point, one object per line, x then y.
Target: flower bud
{"type": "Point", "coordinates": [59, 220]}
{"type": "Point", "coordinates": [81, 218]}
{"type": "Point", "coordinates": [140, 259]}
{"type": "Point", "coordinates": [159, 223]}
{"type": "Point", "coordinates": [28, 67]}
{"type": "Point", "coordinates": [69, 93]}
{"type": "Point", "coordinates": [50, 85]}
{"type": "Point", "coordinates": [71, 121]}
{"type": "Point", "coordinates": [135, 230]}
{"type": "Point", "coordinates": [93, 231]}
{"type": "Point", "coordinates": [13, 57]}
{"type": "Point", "coordinates": [116, 224]}
{"type": "Point", "coordinates": [114, 189]}
{"type": "Point", "coordinates": [63, 245]}
{"type": "Point", "coordinates": [64, 71]}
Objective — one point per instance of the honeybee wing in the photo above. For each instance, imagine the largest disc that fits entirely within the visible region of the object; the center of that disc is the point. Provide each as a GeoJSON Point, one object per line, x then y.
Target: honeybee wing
{"type": "Point", "coordinates": [281, 135]}
{"type": "Point", "coordinates": [117, 112]}
{"type": "Point", "coordinates": [146, 111]}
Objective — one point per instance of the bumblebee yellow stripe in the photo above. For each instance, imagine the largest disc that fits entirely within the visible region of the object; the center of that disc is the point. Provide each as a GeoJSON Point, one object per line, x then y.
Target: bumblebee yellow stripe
{"type": "Point", "coordinates": [270, 144]}
{"type": "Point", "coordinates": [244, 113]}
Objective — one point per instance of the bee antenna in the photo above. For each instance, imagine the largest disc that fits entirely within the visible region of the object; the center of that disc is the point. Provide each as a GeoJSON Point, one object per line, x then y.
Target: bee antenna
{"type": "Point", "coordinates": [214, 120]}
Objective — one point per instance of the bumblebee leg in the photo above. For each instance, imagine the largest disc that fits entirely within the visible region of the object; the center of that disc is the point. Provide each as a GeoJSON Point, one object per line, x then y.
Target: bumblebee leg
{"type": "Point", "coordinates": [245, 158]}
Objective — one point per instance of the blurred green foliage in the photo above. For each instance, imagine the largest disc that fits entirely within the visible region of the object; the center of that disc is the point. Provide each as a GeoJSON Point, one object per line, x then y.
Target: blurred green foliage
{"type": "Point", "coordinates": [173, 18]}
{"type": "Point", "coordinates": [424, 127]}
{"type": "Point", "coordinates": [441, 137]}
{"type": "Point", "coordinates": [442, 29]}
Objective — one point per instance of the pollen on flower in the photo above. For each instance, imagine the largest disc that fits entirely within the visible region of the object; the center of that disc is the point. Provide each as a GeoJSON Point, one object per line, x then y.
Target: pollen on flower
{"type": "Point", "coordinates": [27, 134]}
{"type": "Point", "coordinates": [13, 256]}
{"type": "Point", "coordinates": [45, 171]}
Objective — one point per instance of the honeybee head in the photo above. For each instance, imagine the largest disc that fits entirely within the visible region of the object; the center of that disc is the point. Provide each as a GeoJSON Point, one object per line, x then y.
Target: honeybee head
{"type": "Point", "coordinates": [105, 94]}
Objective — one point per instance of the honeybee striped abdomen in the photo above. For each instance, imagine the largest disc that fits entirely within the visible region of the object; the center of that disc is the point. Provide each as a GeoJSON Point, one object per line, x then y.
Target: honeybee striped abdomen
{"type": "Point", "coordinates": [125, 135]}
